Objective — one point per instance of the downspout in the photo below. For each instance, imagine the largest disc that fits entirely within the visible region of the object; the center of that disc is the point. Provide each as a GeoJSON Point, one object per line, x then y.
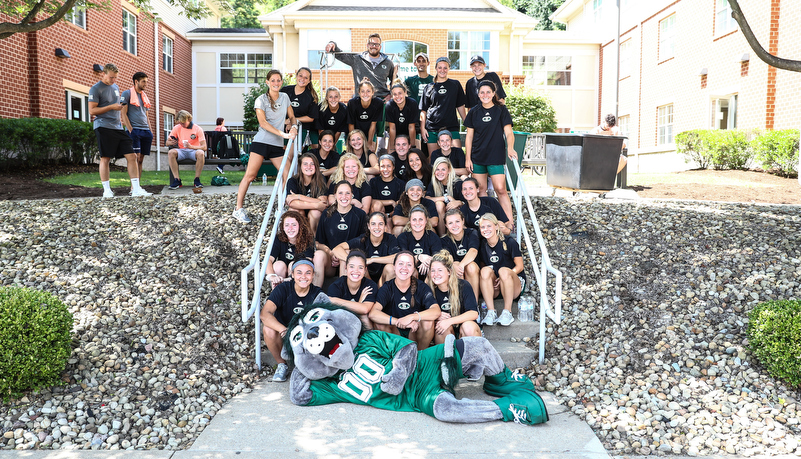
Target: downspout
{"type": "Point", "coordinates": [157, 134]}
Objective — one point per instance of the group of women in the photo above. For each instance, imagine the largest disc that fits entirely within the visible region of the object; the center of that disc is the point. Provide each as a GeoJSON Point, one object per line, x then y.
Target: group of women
{"type": "Point", "coordinates": [385, 222]}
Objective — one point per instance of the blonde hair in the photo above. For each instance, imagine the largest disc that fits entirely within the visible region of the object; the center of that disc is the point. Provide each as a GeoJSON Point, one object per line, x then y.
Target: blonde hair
{"type": "Point", "coordinates": [183, 116]}
{"type": "Point", "coordinates": [324, 102]}
{"type": "Point", "coordinates": [494, 220]}
{"type": "Point", "coordinates": [418, 208]}
{"type": "Point", "coordinates": [436, 184]}
{"type": "Point", "coordinates": [444, 257]}
{"type": "Point", "coordinates": [349, 149]}
{"type": "Point", "coordinates": [339, 174]}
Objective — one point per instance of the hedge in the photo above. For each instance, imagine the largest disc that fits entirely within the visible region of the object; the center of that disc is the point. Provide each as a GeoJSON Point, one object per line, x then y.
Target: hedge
{"type": "Point", "coordinates": [774, 336]}
{"type": "Point", "coordinates": [738, 149]}
{"type": "Point", "coordinates": [778, 150]}
{"type": "Point", "coordinates": [531, 111]}
{"type": "Point", "coordinates": [43, 141]}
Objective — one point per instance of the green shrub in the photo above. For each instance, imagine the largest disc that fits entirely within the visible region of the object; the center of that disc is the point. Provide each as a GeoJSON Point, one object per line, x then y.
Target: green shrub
{"type": "Point", "coordinates": [35, 340]}
{"type": "Point", "coordinates": [774, 336]}
{"type": "Point", "coordinates": [44, 141]}
{"type": "Point", "coordinates": [778, 150]}
{"type": "Point", "coordinates": [691, 145]}
{"type": "Point", "coordinates": [721, 149]}
{"type": "Point", "coordinates": [531, 111]}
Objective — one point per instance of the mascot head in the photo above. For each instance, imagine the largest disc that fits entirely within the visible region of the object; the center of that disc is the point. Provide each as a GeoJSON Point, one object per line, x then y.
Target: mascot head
{"type": "Point", "coordinates": [321, 340]}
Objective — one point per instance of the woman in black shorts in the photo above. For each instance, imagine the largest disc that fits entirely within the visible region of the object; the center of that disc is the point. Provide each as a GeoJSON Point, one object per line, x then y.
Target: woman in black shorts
{"type": "Point", "coordinates": [379, 246]}
{"type": "Point", "coordinates": [456, 300]}
{"type": "Point", "coordinates": [272, 109]}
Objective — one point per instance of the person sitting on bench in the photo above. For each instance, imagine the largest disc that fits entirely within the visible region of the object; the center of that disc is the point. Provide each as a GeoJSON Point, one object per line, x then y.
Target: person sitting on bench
{"type": "Point", "coordinates": [190, 143]}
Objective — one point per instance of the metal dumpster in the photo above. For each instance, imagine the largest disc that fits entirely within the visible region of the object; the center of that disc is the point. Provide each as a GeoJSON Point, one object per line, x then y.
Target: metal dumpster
{"type": "Point", "coordinates": [582, 161]}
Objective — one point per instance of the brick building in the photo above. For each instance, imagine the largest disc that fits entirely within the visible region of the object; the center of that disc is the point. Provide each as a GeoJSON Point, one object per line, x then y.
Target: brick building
{"type": "Point", "coordinates": [684, 64]}
{"type": "Point", "coordinates": [39, 83]}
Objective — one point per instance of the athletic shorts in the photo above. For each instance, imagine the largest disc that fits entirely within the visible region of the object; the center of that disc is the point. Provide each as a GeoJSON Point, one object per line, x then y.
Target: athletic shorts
{"type": "Point", "coordinates": [266, 151]}
{"type": "Point", "coordinates": [495, 169]}
{"type": "Point", "coordinates": [141, 140]}
{"type": "Point", "coordinates": [113, 143]}
{"type": "Point", "coordinates": [188, 154]}
{"type": "Point", "coordinates": [435, 135]}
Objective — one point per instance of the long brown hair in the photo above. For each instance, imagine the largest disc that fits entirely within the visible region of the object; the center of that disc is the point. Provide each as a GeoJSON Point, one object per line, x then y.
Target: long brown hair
{"type": "Point", "coordinates": [406, 203]}
{"type": "Point", "coordinates": [310, 86]}
{"type": "Point", "coordinates": [269, 74]}
{"type": "Point", "coordinates": [317, 184]}
{"type": "Point", "coordinates": [418, 208]}
{"type": "Point", "coordinates": [454, 292]}
{"type": "Point", "coordinates": [305, 235]}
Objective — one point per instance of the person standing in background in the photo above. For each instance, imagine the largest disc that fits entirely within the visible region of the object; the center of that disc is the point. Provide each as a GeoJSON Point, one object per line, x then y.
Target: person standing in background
{"type": "Point", "coordinates": [135, 105]}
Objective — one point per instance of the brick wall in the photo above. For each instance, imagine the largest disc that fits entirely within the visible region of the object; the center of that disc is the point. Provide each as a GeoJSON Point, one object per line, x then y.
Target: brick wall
{"type": "Point", "coordinates": [34, 86]}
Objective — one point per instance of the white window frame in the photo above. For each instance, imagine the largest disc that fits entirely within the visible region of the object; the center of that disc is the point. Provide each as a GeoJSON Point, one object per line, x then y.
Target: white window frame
{"type": "Point", "coordinates": [169, 123]}
{"type": "Point", "coordinates": [406, 69]}
{"type": "Point", "coordinates": [667, 38]}
{"type": "Point", "coordinates": [167, 46]}
{"type": "Point", "coordinates": [84, 98]}
{"type": "Point", "coordinates": [467, 48]}
{"type": "Point", "coordinates": [716, 111]}
{"type": "Point", "coordinates": [129, 33]}
{"type": "Point", "coordinates": [314, 42]}
{"type": "Point", "coordinates": [597, 11]}
{"type": "Point", "coordinates": [625, 59]}
{"type": "Point", "coordinates": [253, 72]}
{"type": "Point", "coordinates": [624, 124]}
{"type": "Point", "coordinates": [664, 125]}
{"type": "Point", "coordinates": [543, 70]}
{"type": "Point", "coordinates": [724, 23]}
{"type": "Point", "coordinates": [77, 16]}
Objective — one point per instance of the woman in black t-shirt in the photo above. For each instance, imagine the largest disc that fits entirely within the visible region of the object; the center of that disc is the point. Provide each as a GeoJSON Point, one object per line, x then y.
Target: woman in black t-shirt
{"type": "Point", "coordinates": [455, 298]}
{"type": "Point", "coordinates": [419, 167]}
{"type": "Point", "coordinates": [462, 243]}
{"type": "Point", "coordinates": [405, 305]}
{"type": "Point", "coordinates": [341, 222]}
{"type": "Point", "coordinates": [326, 155]}
{"type": "Point", "coordinates": [365, 112]}
{"type": "Point", "coordinates": [351, 170]}
{"type": "Point", "coordinates": [295, 241]}
{"type": "Point", "coordinates": [333, 114]}
{"type": "Point", "coordinates": [445, 190]}
{"type": "Point", "coordinates": [487, 124]}
{"type": "Point", "coordinates": [379, 246]}
{"type": "Point", "coordinates": [402, 113]}
{"type": "Point", "coordinates": [502, 269]}
{"type": "Point", "coordinates": [353, 291]}
{"type": "Point", "coordinates": [286, 300]}
{"type": "Point", "coordinates": [386, 188]}
{"type": "Point", "coordinates": [454, 154]}
{"type": "Point", "coordinates": [419, 238]}
{"type": "Point", "coordinates": [356, 143]}
{"type": "Point", "coordinates": [304, 101]}
{"type": "Point", "coordinates": [306, 191]}
{"type": "Point", "coordinates": [442, 100]}
{"type": "Point", "coordinates": [413, 196]}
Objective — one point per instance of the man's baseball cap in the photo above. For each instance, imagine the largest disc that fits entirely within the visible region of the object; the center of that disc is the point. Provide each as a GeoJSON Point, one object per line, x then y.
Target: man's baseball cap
{"type": "Point", "coordinates": [423, 55]}
{"type": "Point", "coordinates": [477, 58]}
{"type": "Point", "coordinates": [443, 59]}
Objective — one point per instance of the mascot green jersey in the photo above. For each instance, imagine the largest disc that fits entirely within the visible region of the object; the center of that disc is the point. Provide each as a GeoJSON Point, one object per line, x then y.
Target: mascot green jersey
{"type": "Point", "coordinates": [336, 361]}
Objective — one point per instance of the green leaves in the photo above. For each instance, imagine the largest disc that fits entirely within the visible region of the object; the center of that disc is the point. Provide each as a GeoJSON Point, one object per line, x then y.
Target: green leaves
{"type": "Point", "coordinates": [35, 329]}
{"type": "Point", "coordinates": [778, 150]}
{"type": "Point", "coordinates": [735, 149]}
{"type": "Point", "coordinates": [39, 141]}
{"type": "Point", "coordinates": [531, 111]}
{"type": "Point", "coordinates": [774, 336]}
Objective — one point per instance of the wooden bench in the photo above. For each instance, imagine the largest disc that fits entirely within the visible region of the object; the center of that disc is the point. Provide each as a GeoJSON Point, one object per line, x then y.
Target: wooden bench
{"type": "Point", "coordinates": [243, 138]}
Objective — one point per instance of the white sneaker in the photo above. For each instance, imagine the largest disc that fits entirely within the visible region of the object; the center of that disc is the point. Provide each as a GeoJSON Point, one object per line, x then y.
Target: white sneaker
{"type": "Point", "coordinates": [281, 372]}
{"type": "Point", "coordinates": [490, 318]}
{"type": "Point", "coordinates": [108, 194]}
{"type": "Point", "coordinates": [506, 318]}
{"type": "Point", "coordinates": [241, 215]}
{"type": "Point", "coordinates": [140, 192]}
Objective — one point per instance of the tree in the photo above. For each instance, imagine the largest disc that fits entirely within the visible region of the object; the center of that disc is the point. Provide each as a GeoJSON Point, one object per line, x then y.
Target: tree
{"type": "Point", "coordinates": [768, 58]}
{"type": "Point", "coordinates": [541, 10]}
{"type": "Point", "coordinates": [32, 15]}
{"type": "Point", "coordinates": [245, 14]}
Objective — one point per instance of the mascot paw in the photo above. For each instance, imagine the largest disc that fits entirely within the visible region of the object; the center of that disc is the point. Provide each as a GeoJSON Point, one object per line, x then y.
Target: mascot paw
{"type": "Point", "coordinates": [393, 382]}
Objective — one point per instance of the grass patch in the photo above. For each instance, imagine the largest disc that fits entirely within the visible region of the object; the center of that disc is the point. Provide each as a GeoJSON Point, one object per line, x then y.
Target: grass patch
{"type": "Point", "coordinates": [120, 179]}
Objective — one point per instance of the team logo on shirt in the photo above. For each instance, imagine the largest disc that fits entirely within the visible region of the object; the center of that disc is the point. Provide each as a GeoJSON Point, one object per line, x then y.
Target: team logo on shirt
{"type": "Point", "coordinates": [294, 104]}
{"type": "Point", "coordinates": [342, 227]}
{"type": "Point", "coordinates": [331, 122]}
{"type": "Point", "coordinates": [385, 192]}
{"type": "Point", "coordinates": [401, 119]}
{"type": "Point", "coordinates": [298, 308]}
{"type": "Point", "coordinates": [418, 250]}
{"type": "Point", "coordinates": [404, 305]}
{"type": "Point", "coordinates": [477, 219]}
{"type": "Point", "coordinates": [290, 256]}
{"type": "Point", "coordinates": [442, 90]}
{"type": "Point", "coordinates": [461, 251]}
{"type": "Point", "coordinates": [446, 305]}
{"type": "Point", "coordinates": [487, 118]}
{"type": "Point", "coordinates": [364, 116]}
{"type": "Point", "coordinates": [494, 258]}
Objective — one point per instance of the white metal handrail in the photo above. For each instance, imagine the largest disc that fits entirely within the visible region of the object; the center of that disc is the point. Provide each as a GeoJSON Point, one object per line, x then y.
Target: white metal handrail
{"type": "Point", "coordinates": [519, 193]}
{"type": "Point", "coordinates": [258, 265]}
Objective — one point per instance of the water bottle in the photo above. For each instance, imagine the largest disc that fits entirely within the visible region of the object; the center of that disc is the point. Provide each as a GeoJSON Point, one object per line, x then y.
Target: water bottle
{"type": "Point", "coordinates": [264, 179]}
{"type": "Point", "coordinates": [482, 311]}
{"type": "Point", "coordinates": [525, 309]}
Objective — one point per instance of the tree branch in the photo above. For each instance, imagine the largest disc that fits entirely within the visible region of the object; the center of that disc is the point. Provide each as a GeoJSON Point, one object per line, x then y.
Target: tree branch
{"type": "Point", "coordinates": [8, 29]}
{"type": "Point", "coordinates": [770, 59]}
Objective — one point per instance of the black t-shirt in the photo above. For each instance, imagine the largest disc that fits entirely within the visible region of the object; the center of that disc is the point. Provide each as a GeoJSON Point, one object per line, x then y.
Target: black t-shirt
{"type": "Point", "coordinates": [336, 122]}
{"type": "Point", "coordinates": [440, 101]}
{"type": "Point", "coordinates": [293, 186]}
{"type": "Point", "coordinates": [457, 190]}
{"type": "Point", "coordinates": [496, 257]}
{"type": "Point", "coordinates": [330, 162]}
{"type": "Point", "coordinates": [388, 246]}
{"type": "Point", "coordinates": [361, 117]}
{"type": "Point", "coordinates": [338, 228]}
{"type": "Point", "coordinates": [339, 289]}
{"type": "Point", "coordinates": [428, 244]}
{"type": "Point", "coordinates": [467, 298]}
{"type": "Point", "coordinates": [288, 253]}
{"type": "Point", "coordinates": [401, 165]}
{"type": "Point", "coordinates": [288, 303]}
{"type": "Point", "coordinates": [398, 303]}
{"type": "Point", "coordinates": [471, 88]}
{"type": "Point", "coordinates": [488, 204]}
{"type": "Point", "coordinates": [358, 191]}
{"type": "Point", "coordinates": [425, 202]}
{"type": "Point", "coordinates": [403, 118]}
{"type": "Point", "coordinates": [456, 157]}
{"type": "Point", "coordinates": [458, 249]}
{"type": "Point", "coordinates": [365, 157]}
{"type": "Point", "coordinates": [303, 105]}
{"type": "Point", "coordinates": [387, 190]}
{"type": "Point", "coordinates": [489, 147]}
